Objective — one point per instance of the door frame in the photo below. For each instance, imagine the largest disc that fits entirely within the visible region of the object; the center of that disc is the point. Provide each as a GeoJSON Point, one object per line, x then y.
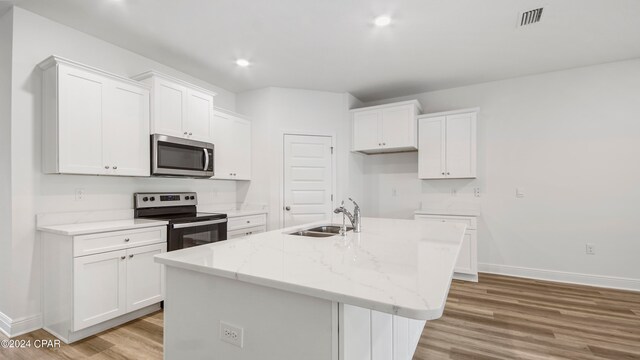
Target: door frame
{"type": "Point", "coordinates": [330, 135]}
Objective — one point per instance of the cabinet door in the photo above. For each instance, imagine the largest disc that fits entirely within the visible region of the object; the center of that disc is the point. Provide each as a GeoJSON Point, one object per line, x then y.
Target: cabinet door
{"type": "Point", "coordinates": [80, 121]}
{"type": "Point", "coordinates": [144, 276]}
{"type": "Point", "coordinates": [126, 130]}
{"type": "Point", "coordinates": [199, 115]}
{"type": "Point", "coordinates": [366, 127]}
{"type": "Point", "coordinates": [242, 149]}
{"type": "Point", "coordinates": [223, 142]}
{"type": "Point", "coordinates": [398, 127]}
{"type": "Point", "coordinates": [99, 283]}
{"type": "Point", "coordinates": [467, 262]}
{"type": "Point", "coordinates": [461, 146]}
{"type": "Point", "coordinates": [431, 154]}
{"type": "Point", "coordinates": [169, 108]}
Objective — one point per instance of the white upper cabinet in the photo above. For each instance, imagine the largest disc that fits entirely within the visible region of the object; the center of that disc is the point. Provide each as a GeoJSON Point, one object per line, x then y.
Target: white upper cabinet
{"type": "Point", "coordinates": [386, 128]}
{"type": "Point", "coordinates": [94, 122]}
{"type": "Point", "coordinates": [232, 146]}
{"type": "Point", "coordinates": [447, 145]}
{"type": "Point", "coordinates": [179, 108]}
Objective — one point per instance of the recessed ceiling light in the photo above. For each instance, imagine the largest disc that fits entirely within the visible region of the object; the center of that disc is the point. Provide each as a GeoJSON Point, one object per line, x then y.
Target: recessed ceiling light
{"type": "Point", "coordinates": [381, 21]}
{"type": "Point", "coordinates": [243, 62]}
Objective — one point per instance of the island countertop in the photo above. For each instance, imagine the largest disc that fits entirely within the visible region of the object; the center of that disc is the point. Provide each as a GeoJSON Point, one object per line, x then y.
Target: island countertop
{"type": "Point", "coordinates": [401, 267]}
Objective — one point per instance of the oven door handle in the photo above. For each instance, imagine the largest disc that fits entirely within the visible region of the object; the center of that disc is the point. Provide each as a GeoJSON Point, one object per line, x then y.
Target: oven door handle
{"type": "Point", "coordinates": [199, 223]}
{"type": "Point", "coordinates": [206, 159]}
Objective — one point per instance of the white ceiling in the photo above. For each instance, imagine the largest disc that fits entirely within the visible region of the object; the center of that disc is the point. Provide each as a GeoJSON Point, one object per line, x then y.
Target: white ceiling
{"type": "Point", "coordinates": [332, 45]}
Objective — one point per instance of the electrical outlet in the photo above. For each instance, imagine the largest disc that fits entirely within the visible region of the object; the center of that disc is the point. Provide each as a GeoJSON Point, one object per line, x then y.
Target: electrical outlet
{"type": "Point", "coordinates": [79, 194]}
{"type": "Point", "coordinates": [590, 249]}
{"type": "Point", "coordinates": [476, 191]}
{"type": "Point", "coordinates": [231, 334]}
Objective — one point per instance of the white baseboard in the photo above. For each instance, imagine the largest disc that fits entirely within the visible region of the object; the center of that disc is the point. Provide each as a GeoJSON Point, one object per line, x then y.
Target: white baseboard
{"type": "Point", "coordinates": [5, 324]}
{"type": "Point", "coordinates": [610, 282]}
{"type": "Point", "coordinates": [19, 326]}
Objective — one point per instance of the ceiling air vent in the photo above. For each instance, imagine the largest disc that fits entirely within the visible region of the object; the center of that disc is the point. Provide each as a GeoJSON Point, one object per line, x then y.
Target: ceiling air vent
{"type": "Point", "coordinates": [530, 17]}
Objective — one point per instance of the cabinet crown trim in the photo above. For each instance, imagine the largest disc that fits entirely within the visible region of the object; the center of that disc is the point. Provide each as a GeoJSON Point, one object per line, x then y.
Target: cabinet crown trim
{"type": "Point", "coordinates": [384, 106]}
{"type": "Point", "coordinates": [152, 73]}
{"type": "Point", "coordinates": [54, 60]}
{"type": "Point", "coordinates": [451, 112]}
{"type": "Point", "coordinates": [229, 112]}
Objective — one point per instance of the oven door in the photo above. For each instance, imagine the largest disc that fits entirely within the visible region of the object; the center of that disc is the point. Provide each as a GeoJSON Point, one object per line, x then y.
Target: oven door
{"type": "Point", "coordinates": [172, 156]}
{"type": "Point", "coordinates": [184, 235]}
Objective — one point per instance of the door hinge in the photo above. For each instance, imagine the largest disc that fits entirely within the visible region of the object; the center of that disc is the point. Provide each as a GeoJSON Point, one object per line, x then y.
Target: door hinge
{"type": "Point", "coordinates": [332, 149]}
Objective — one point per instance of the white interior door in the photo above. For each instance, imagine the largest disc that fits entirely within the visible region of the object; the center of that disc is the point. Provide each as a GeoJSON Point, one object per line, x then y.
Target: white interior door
{"type": "Point", "coordinates": [308, 179]}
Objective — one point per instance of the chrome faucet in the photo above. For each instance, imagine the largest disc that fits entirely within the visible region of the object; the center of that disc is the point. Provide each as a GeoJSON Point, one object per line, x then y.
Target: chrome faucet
{"type": "Point", "coordinates": [353, 218]}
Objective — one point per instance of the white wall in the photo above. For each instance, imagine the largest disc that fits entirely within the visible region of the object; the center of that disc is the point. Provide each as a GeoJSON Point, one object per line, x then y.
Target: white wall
{"type": "Point", "coordinates": [277, 110]}
{"type": "Point", "coordinates": [6, 44]}
{"type": "Point", "coordinates": [571, 139]}
{"type": "Point", "coordinates": [36, 38]}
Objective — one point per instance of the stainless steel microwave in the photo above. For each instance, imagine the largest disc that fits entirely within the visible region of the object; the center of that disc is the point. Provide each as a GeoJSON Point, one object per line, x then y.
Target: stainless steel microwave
{"type": "Point", "coordinates": [173, 156]}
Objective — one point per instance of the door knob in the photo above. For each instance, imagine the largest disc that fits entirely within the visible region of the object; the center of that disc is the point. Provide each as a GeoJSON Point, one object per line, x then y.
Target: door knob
{"type": "Point", "coordinates": [287, 208]}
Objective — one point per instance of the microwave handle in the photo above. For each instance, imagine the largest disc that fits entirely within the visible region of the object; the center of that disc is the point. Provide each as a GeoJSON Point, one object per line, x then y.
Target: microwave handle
{"type": "Point", "coordinates": [206, 159]}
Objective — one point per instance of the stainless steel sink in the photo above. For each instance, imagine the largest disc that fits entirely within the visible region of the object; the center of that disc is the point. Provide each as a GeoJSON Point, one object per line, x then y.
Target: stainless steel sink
{"type": "Point", "coordinates": [320, 231]}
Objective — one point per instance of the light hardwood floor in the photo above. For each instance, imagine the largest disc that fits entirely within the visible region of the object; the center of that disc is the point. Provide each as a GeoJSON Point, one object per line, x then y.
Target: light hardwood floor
{"type": "Point", "coordinates": [497, 318]}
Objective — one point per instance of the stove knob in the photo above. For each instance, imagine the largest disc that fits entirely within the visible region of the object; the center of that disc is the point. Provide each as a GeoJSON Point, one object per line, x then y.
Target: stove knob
{"type": "Point", "coordinates": [145, 199]}
{"type": "Point", "coordinates": [153, 198]}
{"type": "Point", "coordinates": [186, 198]}
{"type": "Point", "coordinates": [192, 198]}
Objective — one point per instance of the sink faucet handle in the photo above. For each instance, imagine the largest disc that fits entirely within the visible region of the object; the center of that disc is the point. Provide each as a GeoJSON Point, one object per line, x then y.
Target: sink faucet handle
{"type": "Point", "coordinates": [354, 203]}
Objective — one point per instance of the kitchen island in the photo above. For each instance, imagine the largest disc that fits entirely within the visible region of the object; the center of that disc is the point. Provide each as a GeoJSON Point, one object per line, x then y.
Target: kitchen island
{"type": "Point", "coordinates": [279, 296]}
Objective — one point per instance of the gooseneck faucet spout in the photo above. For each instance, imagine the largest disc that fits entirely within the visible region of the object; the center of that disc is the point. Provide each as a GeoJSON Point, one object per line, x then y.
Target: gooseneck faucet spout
{"type": "Point", "coordinates": [353, 218]}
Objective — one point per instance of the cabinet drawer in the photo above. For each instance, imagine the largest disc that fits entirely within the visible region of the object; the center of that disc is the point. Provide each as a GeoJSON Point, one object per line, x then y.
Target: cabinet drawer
{"type": "Point", "coordinates": [246, 231]}
{"type": "Point", "coordinates": [116, 240]}
{"type": "Point", "coordinates": [470, 221]}
{"type": "Point", "coordinates": [242, 222]}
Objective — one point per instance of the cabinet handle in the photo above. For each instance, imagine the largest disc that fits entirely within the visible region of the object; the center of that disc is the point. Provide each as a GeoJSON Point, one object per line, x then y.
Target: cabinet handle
{"type": "Point", "coordinates": [115, 167]}
{"type": "Point", "coordinates": [126, 240]}
{"type": "Point", "coordinates": [442, 173]}
{"type": "Point", "coordinates": [379, 144]}
{"type": "Point", "coordinates": [122, 257]}
{"type": "Point", "coordinates": [448, 173]}
{"type": "Point", "coordinates": [190, 134]}
{"type": "Point", "coordinates": [106, 166]}
{"type": "Point", "coordinates": [185, 133]}
{"type": "Point", "coordinates": [248, 221]}
{"type": "Point", "coordinates": [130, 256]}
{"type": "Point", "coordinates": [383, 144]}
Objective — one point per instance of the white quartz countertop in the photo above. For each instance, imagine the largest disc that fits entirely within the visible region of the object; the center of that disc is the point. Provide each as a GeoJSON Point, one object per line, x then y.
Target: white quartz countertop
{"type": "Point", "coordinates": [402, 267]}
{"type": "Point", "coordinates": [448, 211]}
{"type": "Point", "coordinates": [238, 213]}
{"type": "Point", "coordinates": [100, 226]}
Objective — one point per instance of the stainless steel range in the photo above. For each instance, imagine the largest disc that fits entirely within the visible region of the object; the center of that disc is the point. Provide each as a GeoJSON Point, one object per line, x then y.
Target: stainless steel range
{"type": "Point", "coordinates": [187, 227]}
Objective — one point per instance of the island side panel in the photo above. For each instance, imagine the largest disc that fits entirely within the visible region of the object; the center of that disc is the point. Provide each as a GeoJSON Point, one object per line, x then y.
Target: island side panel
{"type": "Point", "coordinates": [372, 335]}
{"type": "Point", "coordinates": [277, 324]}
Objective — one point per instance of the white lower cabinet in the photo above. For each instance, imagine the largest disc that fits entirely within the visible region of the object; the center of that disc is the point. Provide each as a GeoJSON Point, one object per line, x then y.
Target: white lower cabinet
{"type": "Point", "coordinates": [467, 265]}
{"type": "Point", "coordinates": [239, 226]}
{"type": "Point", "coordinates": [99, 283]}
{"type": "Point", "coordinates": [373, 335]}
{"type": "Point", "coordinates": [83, 293]}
